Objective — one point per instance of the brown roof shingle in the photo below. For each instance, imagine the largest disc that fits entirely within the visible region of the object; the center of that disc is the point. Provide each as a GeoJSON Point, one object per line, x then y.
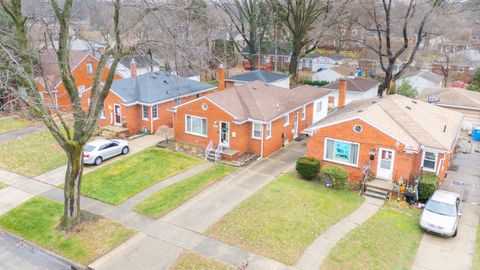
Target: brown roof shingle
{"type": "Point", "coordinates": [358, 84]}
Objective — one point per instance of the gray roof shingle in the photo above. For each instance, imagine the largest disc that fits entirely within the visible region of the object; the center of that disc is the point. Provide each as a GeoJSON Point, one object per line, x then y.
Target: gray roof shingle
{"type": "Point", "coordinates": [156, 87]}
{"type": "Point", "coordinates": [258, 75]}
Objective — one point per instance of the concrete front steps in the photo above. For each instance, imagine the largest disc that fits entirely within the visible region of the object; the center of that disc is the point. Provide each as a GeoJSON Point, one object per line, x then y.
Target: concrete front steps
{"type": "Point", "coordinates": [378, 189]}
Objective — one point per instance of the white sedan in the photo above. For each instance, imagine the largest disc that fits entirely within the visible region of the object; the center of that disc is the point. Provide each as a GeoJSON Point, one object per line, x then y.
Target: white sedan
{"type": "Point", "coordinates": [99, 150]}
{"type": "Point", "coordinates": [442, 213]}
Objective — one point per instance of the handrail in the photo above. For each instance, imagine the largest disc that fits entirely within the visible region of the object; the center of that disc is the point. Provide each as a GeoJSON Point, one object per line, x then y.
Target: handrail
{"type": "Point", "coordinates": [208, 149]}
{"type": "Point", "coordinates": [218, 152]}
{"type": "Point", "coordinates": [365, 174]}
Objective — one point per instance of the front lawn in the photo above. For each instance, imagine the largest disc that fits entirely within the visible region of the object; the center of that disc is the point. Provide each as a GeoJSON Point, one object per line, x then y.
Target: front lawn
{"type": "Point", "coordinates": [118, 181]}
{"type": "Point", "coordinates": [32, 154]}
{"type": "Point", "coordinates": [281, 220]}
{"type": "Point", "coordinates": [8, 124]}
{"type": "Point", "coordinates": [192, 261]}
{"type": "Point", "coordinates": [388, 240]}
{"type": "Point", "coordinates": [37, 220]}
{"type": "Point", "coordinates": [169, 198]}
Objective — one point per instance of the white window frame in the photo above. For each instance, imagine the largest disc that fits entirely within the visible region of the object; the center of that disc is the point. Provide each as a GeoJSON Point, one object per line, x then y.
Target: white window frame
{"type": "Point", "coordinates": [286, 120]}
{"type": "Point", "coordinates": [195, 133]}
{"type": "Point", "coordinates": [253, 131]}
{"type": "Point", "coordinates": [268, 130]}
{"type": "Point", "coordinates": [318, 105]}
{"type": "Point", "coordinates": [423, 160]}
{"type": "Point", "coordinates": [155, 109]}
{"type": "Point", "coordinates": [145, 109]}
{"type": "Point", "coordinates": [102, 112]}
{"type": "Point", "coordinates": [336, 161]}
{"type": "Point", "coordinates": [304, 112]}
{"type": "Point", "coordinates": [89, 68]}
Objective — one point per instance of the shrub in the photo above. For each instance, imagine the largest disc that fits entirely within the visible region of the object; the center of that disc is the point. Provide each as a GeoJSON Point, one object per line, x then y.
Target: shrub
{"type": "Point", "coordinates": [308, 167]}
{"type": "Point", "coordinates": [426, 186]}
{"type": "Point", "coordinates": [337, 174]}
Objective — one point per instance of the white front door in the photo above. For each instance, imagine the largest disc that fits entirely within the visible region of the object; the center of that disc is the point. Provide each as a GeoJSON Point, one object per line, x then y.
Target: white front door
{"type": "Point", "coordinates": [225, 134]}
{"type": "Point", "coordinates": [117, 114]}
{"type": "Point", "coordinates": [386, 159]}
{"type": "Point", "coordinates": [295, 127]}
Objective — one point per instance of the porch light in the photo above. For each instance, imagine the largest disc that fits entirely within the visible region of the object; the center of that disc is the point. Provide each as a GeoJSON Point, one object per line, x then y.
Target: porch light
{"type": "Point", "coordinates": [372, 153]}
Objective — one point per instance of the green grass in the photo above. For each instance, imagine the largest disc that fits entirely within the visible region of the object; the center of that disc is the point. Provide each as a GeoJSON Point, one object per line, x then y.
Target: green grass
{"type": "Point", "coordinates": [191, 261]}
{"type": "Point", "coordinates": [169, 198]}
{"type": "Point", "coordinates": [37, 220]}
{"type": "Point", "coordinates": [32, 154]}
{"type": "Point", "coordinates": [116, 182]}
{"type": "Point", "coordinates": [12, 123]}
{"type": "Point", "coordinates": [2, 185]}
{"type": "Point", "coordinates": [388, 240]}
{"type": "Point", "coordinates": [476, 259]}
{"type": "Point", "coordinates": [281, 220]}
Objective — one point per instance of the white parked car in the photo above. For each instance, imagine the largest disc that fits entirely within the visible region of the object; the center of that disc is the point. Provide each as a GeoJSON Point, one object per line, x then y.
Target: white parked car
{"type": "Point", "coordinates": [442, 213]}
{"type": "Point", "coordinates": [99, 150]}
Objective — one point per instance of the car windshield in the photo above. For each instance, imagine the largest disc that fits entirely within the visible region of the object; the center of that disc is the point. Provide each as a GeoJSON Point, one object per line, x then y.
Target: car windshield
{"type": "Point", "coordinates": [441, 208]}
{"type": "Point", "coordinates": [88, 148]}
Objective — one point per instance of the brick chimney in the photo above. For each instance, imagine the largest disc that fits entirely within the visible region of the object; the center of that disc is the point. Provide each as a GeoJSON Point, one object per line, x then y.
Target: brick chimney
{"type": "Point", "coordinates": [342, 93]}
{"type": "Point", "coordinates": [221, 77]}
{"type": "Point", "coordinates": [133, 68]}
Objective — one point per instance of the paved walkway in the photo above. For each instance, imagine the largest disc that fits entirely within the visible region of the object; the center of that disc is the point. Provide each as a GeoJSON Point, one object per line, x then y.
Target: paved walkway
{"type": "Point", "coordinates": [438, 253]}
{"type": "Point", "coordinates": [7, 136]}
{"type": "Point", "coordinates": [182, 228]}
{"type": "Point", "coordinates": [319, 249]}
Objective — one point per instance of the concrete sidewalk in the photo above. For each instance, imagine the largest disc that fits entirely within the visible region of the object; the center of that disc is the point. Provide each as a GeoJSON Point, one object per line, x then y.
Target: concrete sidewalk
{"type": "Point", "coordinates": [7, 136]}
{"type": "Point", "coordinates": [319, 249]}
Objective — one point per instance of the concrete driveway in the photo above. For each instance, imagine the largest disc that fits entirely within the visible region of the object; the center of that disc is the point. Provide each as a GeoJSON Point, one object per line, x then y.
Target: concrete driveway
{"type": "Point", "coordinates": [440, 253]}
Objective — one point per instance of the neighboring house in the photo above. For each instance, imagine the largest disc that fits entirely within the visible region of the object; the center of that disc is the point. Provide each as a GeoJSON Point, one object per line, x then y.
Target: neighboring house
{"type": "Point", "coordinates": [141, 102]}
{"type": "Point", "coordinates": [357, 88]}
{"type": "Point", "coordinates": [83, 66]}
{"type": "Point", "coordinates": [143, 64]}
{"type": "Point", "coordinates": [335, 73]}
{"type": "Point", "coordinates": [457, 99]}
{"type": "Point", "coordinates": [253, 118]}
{"type": "Point", "coordinates": [274, 78]}
{"type": "Point", "coordinates": [399, 137]}
{"type": "Point", "coordinates": [317, 62]}
{"type": "Point", "coordinates": [461, 65]}
{"type": "Point", "coordinates": [421, 80]}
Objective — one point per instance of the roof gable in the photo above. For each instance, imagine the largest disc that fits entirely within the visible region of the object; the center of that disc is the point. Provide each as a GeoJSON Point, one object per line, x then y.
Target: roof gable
{"type": "Point", "coordinates": [258, 75]}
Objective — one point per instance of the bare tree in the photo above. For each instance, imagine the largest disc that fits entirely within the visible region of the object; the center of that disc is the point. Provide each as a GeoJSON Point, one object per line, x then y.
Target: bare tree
{"type": "Point", "coordinates": [251, 19]}
{"type": "Point", "coordinates": [70, 135]}
{"type": "Point", "coordinates": [382, 17]}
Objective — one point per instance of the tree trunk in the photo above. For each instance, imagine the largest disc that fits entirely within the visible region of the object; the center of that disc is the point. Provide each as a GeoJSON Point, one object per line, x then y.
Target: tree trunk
{"type": "Point", "coordinates": [387, 83]}
{"type": "Point", "coordinates": [73, 177]}
{"type": "Point", "coordinates": [292, 68]}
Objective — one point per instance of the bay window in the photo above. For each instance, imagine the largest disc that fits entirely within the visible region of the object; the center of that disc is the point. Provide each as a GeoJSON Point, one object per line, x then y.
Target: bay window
{"type": "Point", "coordinates": [341, 152]}
{"type": "Point", "coordinates": [196, 125]}
{"type": "Point", "coordinates": [429, 162]}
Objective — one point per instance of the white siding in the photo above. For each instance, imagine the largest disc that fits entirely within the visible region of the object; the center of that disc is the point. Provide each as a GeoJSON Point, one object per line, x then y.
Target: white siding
{"type": "Point", "coordinates": [419, 83]}
{"type": "Point", "coordinates": [351, 96]}
{"type": "Point", "coordinates": [322, 113]}
{"type": "Point", "coordinates": [327, 75]}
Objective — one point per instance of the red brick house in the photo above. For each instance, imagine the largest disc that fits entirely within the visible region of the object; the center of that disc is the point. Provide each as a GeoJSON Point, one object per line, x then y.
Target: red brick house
{"type": "Point", "coordinates": [141, 102]}
{"type": "Point", "coordinates": [83, 66]}
{"type": "Point", "coordinates": [254, 118]}
{"type": "Point", "coordinates": [399, 137]}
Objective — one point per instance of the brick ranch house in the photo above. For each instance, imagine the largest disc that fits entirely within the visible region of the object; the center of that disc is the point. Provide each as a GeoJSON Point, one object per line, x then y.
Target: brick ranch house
{"type": "Point", "coordinates": [141, 102]}
{"type": "Point", "coordinates": [400, 138]}
{"type": "Point", "coordinates": [83, 65]}
{"type": "Point", "coordinates": [256, 117]}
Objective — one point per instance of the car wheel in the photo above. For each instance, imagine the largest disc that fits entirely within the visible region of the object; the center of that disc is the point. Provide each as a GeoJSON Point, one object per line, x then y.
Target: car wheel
{"type": "Point", "coordinates": [455, 234]}
{"type": "Point", "coordinates": [125, 150]}
{"type": "Point", "coordinates": [98, 161]}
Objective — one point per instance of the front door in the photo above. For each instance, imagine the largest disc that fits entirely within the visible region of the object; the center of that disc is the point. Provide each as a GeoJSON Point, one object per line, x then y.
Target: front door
{"type": "Point", "coordinates": [117, 114]}
{"type": "Point", "coordinates": [295, 127]}
{"type": "Point", "coordinates": [386, 159]}
{"type": "Point", "coordinates": [225, 134]}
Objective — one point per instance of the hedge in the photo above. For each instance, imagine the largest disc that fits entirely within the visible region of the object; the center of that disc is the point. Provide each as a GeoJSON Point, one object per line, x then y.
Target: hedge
{"type": "Point", "coordinates": [426, 186]}
{"type": "Point", "coordinates": [308, 167]}
{"type": "Point", "coordinates": [338, 175]}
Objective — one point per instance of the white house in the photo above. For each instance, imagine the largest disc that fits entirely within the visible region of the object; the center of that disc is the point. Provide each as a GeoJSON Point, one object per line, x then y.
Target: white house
{"type": "Point", "coordinates": [335, 73]}
{"type": "Point", "coordinates": [421, 80]}
{"type": "Point", "coordinates": [274, 78]}
{"type": "Point", "coordinates": [357, 88]}
{"type": "Point", "coordinates": [319, 62]}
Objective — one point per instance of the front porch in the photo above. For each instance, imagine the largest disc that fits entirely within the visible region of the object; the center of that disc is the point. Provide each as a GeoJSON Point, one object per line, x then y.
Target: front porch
{"type": "Point", "coordinates": [378, 188]}
{"type": "Point", "coordinates": [113, 131]}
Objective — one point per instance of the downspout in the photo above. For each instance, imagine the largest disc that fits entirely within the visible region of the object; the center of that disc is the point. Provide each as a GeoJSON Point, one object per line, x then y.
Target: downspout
{"type": "Point", "coordinates": [261, 143]}
{"type": "Point", "coordinates": [151, 119]}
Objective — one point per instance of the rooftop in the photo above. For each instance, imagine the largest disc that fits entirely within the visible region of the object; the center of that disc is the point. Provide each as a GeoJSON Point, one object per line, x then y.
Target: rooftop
{"type": "Point", "coordinates": [413, 123]}
{"type": "Point", "coordinates": [357, 84]}
{"type": "Point", "coordinates": [427, 75]}
{"type": "Point", "coordinates": [258, 75]}
{"type": "Point", "coordinates": [452, 97]}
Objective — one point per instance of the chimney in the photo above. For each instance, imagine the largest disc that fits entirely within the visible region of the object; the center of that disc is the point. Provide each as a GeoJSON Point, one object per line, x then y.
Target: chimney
{"type": "Point", "coordinates": [133, 68]}
{"type": "Point", "coordinates": [342, 93]}
{"type": "Point", "coordinates": [221, 77]}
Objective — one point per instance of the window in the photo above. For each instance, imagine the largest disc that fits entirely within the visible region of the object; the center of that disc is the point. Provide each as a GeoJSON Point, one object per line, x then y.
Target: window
{"type": "Point", "coordinates": [460, 69]}
{"type": "Point", "coordinates": [198, 95]}
{"type": "Point", "coordinates": [178, 101]}
{"type": "Point", "coordinates": [144, 112]}
{"type": "Point", "coordinates": [429, 161]}
{"type": "Point", "coordinates": [286, 120]}
{"type": "Point", "coordinates": [196, 125]}
{"type": "Point", "coordinates": [304, 112]}
{"type": "Point", "coordinates": [319, 107]}
{"type": "Point", "coordinates": [155, 111]}
{"type": "Point", "coordinates": [89, 68]}
{"type": "Point", "coordinates": [88, 102]}
{"type": "Point", "coordinates": [256, 131]}
{"type": "Point", "coordinates": [341, 152]}
{"type": "Point", "coordinates": [269, 130]}
{"type": "Point", "coordinates": [102, 113]}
